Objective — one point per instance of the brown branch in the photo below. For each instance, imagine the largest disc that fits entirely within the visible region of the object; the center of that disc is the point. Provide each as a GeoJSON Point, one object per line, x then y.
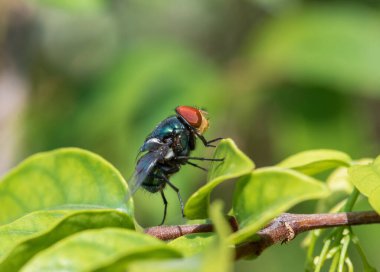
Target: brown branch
{"type": "Point", "coordinates": [281, 229]}
{"type": "Point", "coordinates": [172, 232]}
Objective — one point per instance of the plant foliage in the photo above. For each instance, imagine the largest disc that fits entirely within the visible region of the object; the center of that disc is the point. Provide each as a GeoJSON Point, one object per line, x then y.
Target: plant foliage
{"type": "Point", "coordinates": [66, 210]}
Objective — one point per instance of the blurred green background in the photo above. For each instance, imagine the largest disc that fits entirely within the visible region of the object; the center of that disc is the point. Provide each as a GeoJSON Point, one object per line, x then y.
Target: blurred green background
{"type": "Point", "coordinates": [277, 76]}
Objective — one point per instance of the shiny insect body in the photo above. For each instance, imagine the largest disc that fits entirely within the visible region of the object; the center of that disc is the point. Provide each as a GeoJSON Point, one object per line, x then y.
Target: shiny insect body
{"type": "Point", "coordinates": [167, 148]}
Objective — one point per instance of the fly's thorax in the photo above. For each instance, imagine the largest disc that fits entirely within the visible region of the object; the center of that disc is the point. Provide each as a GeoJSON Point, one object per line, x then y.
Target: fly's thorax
{"type": "Point", "coordinates": [170, 154]}
{"type": "Point", "coordinates": [181, 143]}
{"type": "Point", "coordinates": [167, 128]}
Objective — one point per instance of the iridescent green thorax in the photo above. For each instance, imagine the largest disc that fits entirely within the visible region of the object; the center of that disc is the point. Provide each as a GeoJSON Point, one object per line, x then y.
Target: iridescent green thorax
{"type": "Point", "coordinates": [171, 128]}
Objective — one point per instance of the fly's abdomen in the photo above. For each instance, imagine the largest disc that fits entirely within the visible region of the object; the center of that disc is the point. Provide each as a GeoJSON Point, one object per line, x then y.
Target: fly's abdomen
{"type": "Point", "coordinates": [152, 183]}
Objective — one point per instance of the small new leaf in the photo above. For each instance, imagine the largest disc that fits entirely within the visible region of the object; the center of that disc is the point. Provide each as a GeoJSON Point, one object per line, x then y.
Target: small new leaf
{"type": "Point", "coordinates": [235, 164]}
{"type": "Point", "coordinates": [315, 161]}
{"type": "Point", "coordinates": [366, 178]}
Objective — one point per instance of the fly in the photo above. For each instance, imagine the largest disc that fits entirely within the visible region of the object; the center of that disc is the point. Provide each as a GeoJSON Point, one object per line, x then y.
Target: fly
{"type": "Point", "coordinates": [167, 148]}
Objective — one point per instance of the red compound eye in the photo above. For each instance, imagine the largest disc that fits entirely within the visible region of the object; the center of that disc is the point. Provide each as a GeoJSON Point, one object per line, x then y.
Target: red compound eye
{"type": "Point", "coordinates": [192, 115]}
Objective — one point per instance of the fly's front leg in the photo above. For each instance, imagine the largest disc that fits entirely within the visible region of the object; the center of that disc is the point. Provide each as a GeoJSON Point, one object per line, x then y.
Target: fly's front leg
{"type": "Point", "coordinates": [205, 142]}
{"type": "Point", "coordinates": [214, 140]}
{"type": "Point", "coordinates": [185, 159]}
{"type": "Point", "coordinates": [198, 158]}
{"type": "Point", "coordinates": [197, 166]}
{"type": "Point", "coordinates": [209, 143]}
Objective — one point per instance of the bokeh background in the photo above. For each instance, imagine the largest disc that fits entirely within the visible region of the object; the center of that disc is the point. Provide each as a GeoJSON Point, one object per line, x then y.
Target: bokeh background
{"type": "Point", "coordinates": [277, 76]}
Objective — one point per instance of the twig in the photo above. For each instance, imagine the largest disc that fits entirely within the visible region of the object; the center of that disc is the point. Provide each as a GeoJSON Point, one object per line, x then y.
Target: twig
{"type": "Point", "coordinates": [172, 232]}
{"type": "Point", "coordinates": [282, 229]}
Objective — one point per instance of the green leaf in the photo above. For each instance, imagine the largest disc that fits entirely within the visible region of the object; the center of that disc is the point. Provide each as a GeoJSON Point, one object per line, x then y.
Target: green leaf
{"type": "Point", "coordinates": [222, 227]}
{"type": "Point", "coordinates": [338, 181]}
{"type": "Point", "coordinates": [340, 189]}
{"type": "Point", "coordinates": [193, 244]}
{"type": "Point", "coordinates": [315, 161]}
{"type": "Point", "coordinates": [366, 178]}
{"type": "Point", "coordinates": [235, 164]}
{"type": "Point", "coordinates": [268, 192]}
{"type": "Point", "coordinates": [23, 238]}
{"type": "Point", "coordinates": [66, 178]}
{"type": "Point", "coordinates": [340, 186]}
{"type": "Point", "coordinates": [177, 265]}
{"type": "Point", "coordinates": [108, 249]}
{"type": "Point", "coordinates": [374, 199]}
{"type": "Point", "coordinates": [149, 253]}
{"type": "Point", "coordinates": [220, 250]}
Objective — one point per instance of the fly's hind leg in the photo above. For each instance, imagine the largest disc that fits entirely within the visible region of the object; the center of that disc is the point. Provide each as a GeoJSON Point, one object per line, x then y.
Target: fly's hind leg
{"type": "Point", "coordinates": [165, 178]}
{"type": "Point", "coordinates": [165, 204]}
{"type": "Point", "coordinates": [158, 188]}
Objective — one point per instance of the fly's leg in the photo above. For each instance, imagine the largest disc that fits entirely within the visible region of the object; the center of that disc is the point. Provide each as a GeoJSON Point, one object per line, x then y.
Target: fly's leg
{"type": "Point", "coordinates": [165, 204]}
{"type": "Point", "coordinates": [177, 191]}
{"type": "Point", "coordinates": [214, 140]}
{"type": "Point", "coordinates": [186, 158]}
{"type": "Point", "coordinates": [203, 139]}
{"type": "Point", "coordinates": [196, 165]}
{"type": "Point", "coordinates": [205, 142]}
{"type": "Point", "coordinates": [198, 158]}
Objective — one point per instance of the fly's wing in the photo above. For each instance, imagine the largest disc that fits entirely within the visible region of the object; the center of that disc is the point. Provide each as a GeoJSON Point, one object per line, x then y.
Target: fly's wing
{"type": "Point", "coordinates": [151, 145]}
{"type": "Point", "coordinates": [145, 166]}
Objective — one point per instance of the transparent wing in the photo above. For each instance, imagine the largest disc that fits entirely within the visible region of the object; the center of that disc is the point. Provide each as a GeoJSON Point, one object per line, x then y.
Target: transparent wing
{"type": "Point", "coordinates": [144, 168]}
